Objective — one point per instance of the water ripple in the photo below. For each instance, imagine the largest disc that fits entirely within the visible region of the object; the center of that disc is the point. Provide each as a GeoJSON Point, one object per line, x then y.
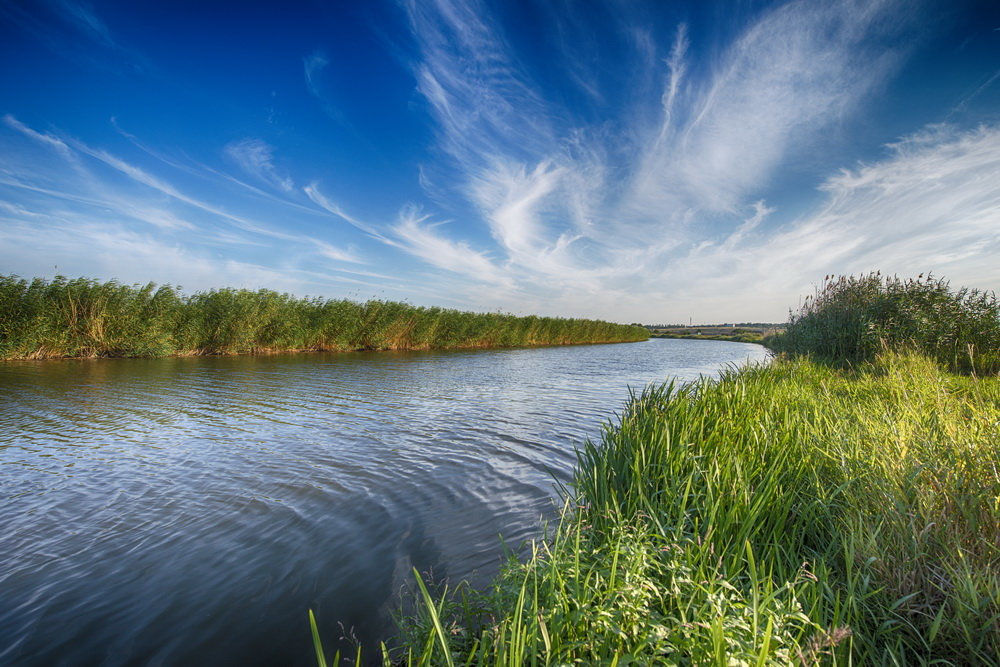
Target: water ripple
{"type": "Point", "coordinates": [169, 511]}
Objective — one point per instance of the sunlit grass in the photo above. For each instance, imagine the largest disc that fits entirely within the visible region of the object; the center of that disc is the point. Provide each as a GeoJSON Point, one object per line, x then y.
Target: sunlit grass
{"type": "Point", "coordinates": [86, 318]}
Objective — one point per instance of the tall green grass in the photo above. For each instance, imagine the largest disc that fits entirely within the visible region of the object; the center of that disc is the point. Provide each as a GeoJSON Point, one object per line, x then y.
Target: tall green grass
{"type": "Point", "coordinates": [82, 317]}
{"type": "Point", "coordinates": [853, 319]}
{"type": "Point", "coordinates": [790, 514]}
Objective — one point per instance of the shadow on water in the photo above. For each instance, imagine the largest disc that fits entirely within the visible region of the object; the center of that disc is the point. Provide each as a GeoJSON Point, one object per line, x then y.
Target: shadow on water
{"type": "Point", "coordinates": [179, 511]}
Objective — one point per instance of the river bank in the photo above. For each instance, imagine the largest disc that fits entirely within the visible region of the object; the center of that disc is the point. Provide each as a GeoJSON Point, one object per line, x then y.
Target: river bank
{"type": "Point", "coordinates": [81, 317]}
{"type": "Point", "coordinates": [843, 510]}
{"type": "Point", "coordinates": [775, 516]}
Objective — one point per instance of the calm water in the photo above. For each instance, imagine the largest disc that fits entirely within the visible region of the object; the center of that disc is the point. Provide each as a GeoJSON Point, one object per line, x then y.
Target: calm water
{"type": "Point", "coordinates": [191, 511]}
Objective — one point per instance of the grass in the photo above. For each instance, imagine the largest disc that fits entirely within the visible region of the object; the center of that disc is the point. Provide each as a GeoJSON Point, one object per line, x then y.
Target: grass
{"type": "Point", "coordinates": [82, 317]}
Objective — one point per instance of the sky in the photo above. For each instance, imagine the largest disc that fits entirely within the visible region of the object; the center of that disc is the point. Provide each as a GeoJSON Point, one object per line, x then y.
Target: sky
{"type": "Point", "coordinates": [655, 162]}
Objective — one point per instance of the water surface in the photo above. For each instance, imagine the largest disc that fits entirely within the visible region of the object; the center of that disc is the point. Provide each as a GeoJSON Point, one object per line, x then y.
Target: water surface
{"type": "Point", "coordinates": [191, 510]}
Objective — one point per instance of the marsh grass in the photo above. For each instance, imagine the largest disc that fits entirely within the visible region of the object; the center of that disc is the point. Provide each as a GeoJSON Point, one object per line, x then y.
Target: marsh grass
{"type": "Point", "coordinates": [852, 319]}
{"type": "Point", "coordinates": [789, 514]}
{"type": "Point", "coordinates": [82, 317]}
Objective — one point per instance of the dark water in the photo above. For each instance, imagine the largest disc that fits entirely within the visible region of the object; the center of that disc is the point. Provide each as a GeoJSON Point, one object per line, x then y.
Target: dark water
{"type": "Point", "coordinates": [191, 511]}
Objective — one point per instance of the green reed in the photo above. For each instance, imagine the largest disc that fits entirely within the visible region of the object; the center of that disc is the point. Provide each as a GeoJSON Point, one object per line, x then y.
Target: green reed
{"type": "Point", "coordinates": [83, 317]}
{"type": "Point", "coordinates": [853, 319]}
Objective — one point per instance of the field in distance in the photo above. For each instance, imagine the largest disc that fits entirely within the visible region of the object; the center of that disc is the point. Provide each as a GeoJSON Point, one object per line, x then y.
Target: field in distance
{"type": "Point", "coordinates": [744, 332]}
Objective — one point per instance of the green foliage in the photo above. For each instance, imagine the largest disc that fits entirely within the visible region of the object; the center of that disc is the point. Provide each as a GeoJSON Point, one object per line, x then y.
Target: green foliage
{"type": "Point", "coordinates": [855, 318]}
{"type": "Point", "coordinates": [790, 514]}
{"type": "Point", "coordinates": [88, 318]}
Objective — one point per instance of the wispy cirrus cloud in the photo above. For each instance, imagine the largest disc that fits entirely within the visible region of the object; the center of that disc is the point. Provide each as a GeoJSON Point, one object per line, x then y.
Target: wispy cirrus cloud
{"type": "Point", "coordinates": [84, 17]}
{"type": "Point", "coordinates": [338, 254]}
{"type": "Point", "coordinates": [67, 189]}
{"type": "Point", "coordinates": [160, 185]}
{"type": "Point", "coordinates": [314, 66]}
{"type": "Point", "coordinates": [256, 158]}
{"type": "Point", "coordinates": [480, 98]}
{"type": "Point", "coordinates": [314, 194]}
{"type": "Point", "coordinates": [770, 99]}
{"type": "Point", "coordinates": [49, 140]}
{"type": "Point", "coordinates": [69, 28]}
{"type": "Point", "coordinates": [114, 249]}
{"type": "Point", "coordinates": [416, 234]}
{"type": "Point", "coordinates": [931, 205]}
{"type": "Point", "coordinates": [577, 208]}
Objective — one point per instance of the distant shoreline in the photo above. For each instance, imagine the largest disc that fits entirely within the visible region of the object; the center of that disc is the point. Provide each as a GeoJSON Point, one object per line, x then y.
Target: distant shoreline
{"type": "Point", "coordinates": [730, 339]}
{"type": "Point", "coordinates": [746, 333]}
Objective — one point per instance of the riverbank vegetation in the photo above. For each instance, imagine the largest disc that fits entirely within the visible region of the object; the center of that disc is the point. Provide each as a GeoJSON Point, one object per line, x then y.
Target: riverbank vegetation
{"type": "Point", "coordinates": [852, 319]}
{"type": "Point", "coordinates": [82, 317]}
{"type": "Point", "coordinates": [843, 509]}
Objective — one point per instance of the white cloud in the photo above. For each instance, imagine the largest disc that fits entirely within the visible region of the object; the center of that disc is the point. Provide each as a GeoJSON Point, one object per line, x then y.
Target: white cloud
{"type": "Point", "coordinates": [49, 140]}
{"type": "Point", "coordinates": [416, 236]}
{"type": "Point", "coordinates": [313, 192]}
{"type": "Point", "coordinates": [483, 103]}
{"type": "Point", "coordinates": [85, 18]}
{"type": "Point", "coordinates": [114, 251]}
{"type": "Point", "coordinates": [338, 254]}
{"type": "Point", "coordinates": [256, 158]}
{"type": "Point", "coordinates": [778, 87]}
{"type": "Point", "coordinates": [932, 205]}
{"type": "Point", "coordinates": [313, 67]}
{"type": "Point", "coordinates": [665, 198]}
{"type": "Point", "coordinates": [509, 197]}
{"type": "Point", "coordinates": [58, 199]}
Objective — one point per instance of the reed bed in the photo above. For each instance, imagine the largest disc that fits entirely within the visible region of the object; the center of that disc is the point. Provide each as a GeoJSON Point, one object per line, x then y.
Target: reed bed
{"type": "Point", "coordinates": [791, 514]}
{"type": "Point", "coordinates": [852, 319]}
{"type": "Point", "coordinates": [83, 317]}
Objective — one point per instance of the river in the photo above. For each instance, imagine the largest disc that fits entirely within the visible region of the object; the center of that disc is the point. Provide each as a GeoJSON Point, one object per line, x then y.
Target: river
{"type": "Point", "coordinates": [191, 510]}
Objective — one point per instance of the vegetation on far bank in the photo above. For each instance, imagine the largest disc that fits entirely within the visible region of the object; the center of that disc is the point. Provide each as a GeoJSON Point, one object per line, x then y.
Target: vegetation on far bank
{"type": "Point", "coordinates": [82, 317]}
{"type": "Point", "coordinates": [737, 333]}
{"type": "Point", "coordinates": [738, 337]}
{"type": "Point", "coordinates": [839, 509]}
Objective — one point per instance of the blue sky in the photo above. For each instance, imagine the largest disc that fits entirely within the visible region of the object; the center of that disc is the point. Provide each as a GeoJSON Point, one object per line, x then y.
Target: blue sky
{"type": "Point", "coordinates": [632, 161]}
